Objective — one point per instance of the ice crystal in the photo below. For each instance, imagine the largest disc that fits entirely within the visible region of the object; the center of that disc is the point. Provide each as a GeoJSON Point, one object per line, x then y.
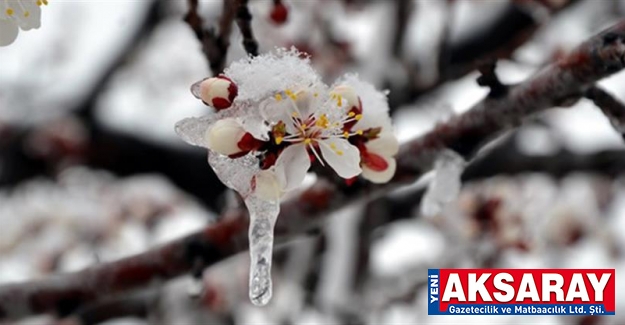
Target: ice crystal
{"type": "Point", "coordinates": [445, 186]}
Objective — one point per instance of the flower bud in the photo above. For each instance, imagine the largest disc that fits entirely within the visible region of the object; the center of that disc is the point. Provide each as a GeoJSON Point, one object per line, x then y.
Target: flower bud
{"type": "Point", "coordinates": [279, 14]}
{"type": "Point", "coordinates": [377, 162]}
{"type": "Point", "coordinates": [379, 173]}
{"type": "Point", "coordinates": [223, 137]}
{"type": "Point", "coordinates": [218, 92]}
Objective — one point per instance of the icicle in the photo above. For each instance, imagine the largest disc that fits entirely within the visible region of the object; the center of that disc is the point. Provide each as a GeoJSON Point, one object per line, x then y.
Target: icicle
{"type": "Point", "coordinates": [263, 215]}
{"type": "Point", "coordinates": [445, 186]}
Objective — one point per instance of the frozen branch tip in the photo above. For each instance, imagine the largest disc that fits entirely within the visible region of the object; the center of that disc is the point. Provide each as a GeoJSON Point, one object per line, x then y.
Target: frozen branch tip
{"type": "Point", "coordinates": [273, 119]}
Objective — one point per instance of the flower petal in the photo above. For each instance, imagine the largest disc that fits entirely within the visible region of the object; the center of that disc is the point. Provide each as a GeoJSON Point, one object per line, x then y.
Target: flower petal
{"type": "Point", "coordinates": [303, 101]}
{"type": "Point", "coordinates": [8, 32]}
{"type": "Point", "coordinates": [267, 186]}
{"type": "Point", "coordinates": [29, 16]}
{"type": "Point", "coordinates": [374, 103]}
{"type": "Point", "coordinates": [343, 157]}
{"type": "Point", "coordinates": [274, 111]}
{"type": "Point", "coordinates": [380, 177]}
{"type": "Point", "coordinates": [385, 145]}
{"type": "Point", "coordinates": [292, 166]}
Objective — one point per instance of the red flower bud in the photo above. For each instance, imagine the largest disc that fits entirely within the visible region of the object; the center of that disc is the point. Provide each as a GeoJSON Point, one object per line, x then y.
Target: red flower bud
{"type": "Point", "coordinates": [279, 14]}
{"type": "Point", "coordinates": [218, 92]}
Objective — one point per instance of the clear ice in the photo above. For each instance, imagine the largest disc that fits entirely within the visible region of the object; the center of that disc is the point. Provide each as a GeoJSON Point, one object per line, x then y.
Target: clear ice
{"type": "Point", "coordinates": [445, 186]}
{"type": "Point", "coordinates": [263, 215]}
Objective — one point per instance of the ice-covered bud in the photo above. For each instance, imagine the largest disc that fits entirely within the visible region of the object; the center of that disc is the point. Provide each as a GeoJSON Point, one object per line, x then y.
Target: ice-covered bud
{"type": "Point", "coordinates": [224, 137]}
{"type": "Point", "coordinates": [218, 92]}
{"type": "Point", "coordinates": [378, 164]}
{"type": "Point", "coordinates": [267, 186]}
{"type": "Point", "coordinates": [279, 13]}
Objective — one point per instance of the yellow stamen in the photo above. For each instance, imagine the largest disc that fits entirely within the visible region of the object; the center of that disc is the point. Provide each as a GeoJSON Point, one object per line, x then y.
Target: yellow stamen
{"type": "Point", "coordinates": [39, 3]}
{"type": "Point", "coordinates": [45, 2]}
{"type": "Point", "coordinates": [322, 122]}
{"type": "Point", "coordinates": [359, 132]}
{"type": "Point", "coordinates": [279, 140]}
{"type": "Point", "coordinates": [307, 141]}
{"type": "Point", "coordinates": [339, 152]}
{"type": "Point", "coordinates": [346, 134]}
{"type": "Point", "coordinates": [351, 114]}
{"type": "Point", "coordinates": [340, 101]}
{"type": "Point", "coordinates": [26, 14]}
{"type": "Point", "coordinates": [294, 114]}
{"type": "Point", "coordinates": [316, 94]}
{"type": "Point", "coordinates": [291, 95]}
{"type": "Point", "coordinates": [9, 12]}
{"type": "Point", "coordinates": [358, 117]}
{"type": "Point", "coordinates": [332, 145]}
{"type": "Point", "coordinates": [278, 97]}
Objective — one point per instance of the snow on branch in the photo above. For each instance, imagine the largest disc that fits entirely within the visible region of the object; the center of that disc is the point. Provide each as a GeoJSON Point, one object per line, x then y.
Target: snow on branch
{"type": "Point", "coordinates": [566, 80]}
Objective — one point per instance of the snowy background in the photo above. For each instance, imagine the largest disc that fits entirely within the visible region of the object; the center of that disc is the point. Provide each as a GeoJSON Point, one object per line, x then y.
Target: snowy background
{"type": "Point", "coordinates": [91, 169]}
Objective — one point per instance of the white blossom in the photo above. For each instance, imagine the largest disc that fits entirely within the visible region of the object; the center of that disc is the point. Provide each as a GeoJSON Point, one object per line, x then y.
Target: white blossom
{"type": "Point", "coordinates": [274, 118]}
{"type": "Point", "coordinates": [277, 112]}
{"type": "Point", "coordinates": [18, 14]}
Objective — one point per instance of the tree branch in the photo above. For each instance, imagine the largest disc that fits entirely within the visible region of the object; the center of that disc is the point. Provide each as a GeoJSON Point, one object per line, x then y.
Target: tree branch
{"type": "Point", "coordinates": [244, 21]}
{"type": "Point", "coordinates": [499, 40]}
{"type": "Point", "coordinates": [466, 133]}
{"type": "Point", "coordinates": [613, 109]}
{"type": "Point", "coordinates": [214, 45]}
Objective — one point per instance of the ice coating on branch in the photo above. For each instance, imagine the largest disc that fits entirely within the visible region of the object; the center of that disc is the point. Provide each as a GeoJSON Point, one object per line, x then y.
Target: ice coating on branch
{"type": "Point", "coordinates": [273, 119]}
{"type": "Point", "coordinates": [445, 186]}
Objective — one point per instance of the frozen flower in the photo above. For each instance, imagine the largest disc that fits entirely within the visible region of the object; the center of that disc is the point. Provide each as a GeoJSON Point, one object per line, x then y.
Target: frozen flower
{"type": "Point", "coordinates": [283, 118]}
{"type": "Point", "coordinates": [280, 119]}
{"type": "Point", "coordinates": [16, 14]}
{"type": "Point", "coordinates": [375, 139]}
{"type": "Point", "coordinates": [312, 123]}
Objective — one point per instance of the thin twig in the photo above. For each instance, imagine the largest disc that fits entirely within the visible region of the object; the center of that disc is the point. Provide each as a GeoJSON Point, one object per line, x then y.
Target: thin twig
{"type": "Point", "coordinates": [569, 78]}
{"type": "Point", "coordinates": [214, 45]}
{"type": "Point", "coordinates": [244, 21]}
{"type": "Point", "coordinates": [402, 14]}
{"type": "Point", "coordinates": [499, 40]}
{"type": "Point", "coordinates": [613, 109]}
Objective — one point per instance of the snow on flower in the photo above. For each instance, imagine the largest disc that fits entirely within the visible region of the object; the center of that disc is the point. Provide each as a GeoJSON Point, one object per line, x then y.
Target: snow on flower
{"type": "Point", "coordinates": [273, 119]}
{"type": "Point", "coordinates": [16, 14]}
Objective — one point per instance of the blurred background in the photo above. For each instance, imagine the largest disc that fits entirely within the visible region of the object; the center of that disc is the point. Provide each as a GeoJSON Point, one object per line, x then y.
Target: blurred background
{"type": "Point", "coordinates": [91, 169]}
